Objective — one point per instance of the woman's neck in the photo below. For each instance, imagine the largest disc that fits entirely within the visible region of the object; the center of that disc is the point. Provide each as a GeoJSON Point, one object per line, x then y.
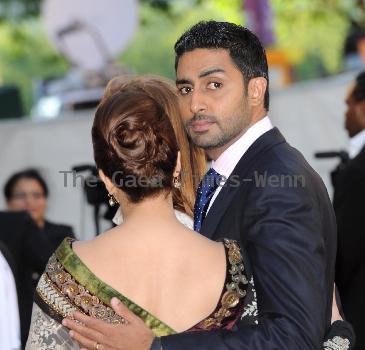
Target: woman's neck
{"type": "Point", "coordinates": [157, 208]}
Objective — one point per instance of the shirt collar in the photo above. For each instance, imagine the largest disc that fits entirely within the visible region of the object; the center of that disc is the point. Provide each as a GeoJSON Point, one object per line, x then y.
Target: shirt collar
{"type": "Point", "coordinates": [356, 144]}
{"type": "Point", "coordinates": [228, 160]}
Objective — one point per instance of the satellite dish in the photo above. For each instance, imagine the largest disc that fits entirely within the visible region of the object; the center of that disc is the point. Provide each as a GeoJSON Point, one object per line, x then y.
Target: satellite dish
{"type": "Point", "coordinates": [90, 33]}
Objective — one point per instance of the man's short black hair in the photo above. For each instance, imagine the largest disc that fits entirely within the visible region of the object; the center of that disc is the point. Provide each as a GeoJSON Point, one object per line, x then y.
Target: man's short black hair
{"type": "Point", "coordinates": [359, 90]}
{"type": "Point", "coordinates": [244, 48]}
{"type": "Point", "coordinates": [28, 174]}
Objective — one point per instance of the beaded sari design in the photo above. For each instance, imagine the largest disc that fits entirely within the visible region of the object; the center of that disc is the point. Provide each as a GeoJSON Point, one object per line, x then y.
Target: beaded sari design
{"type": "Point", "coordinates": [67, 285]}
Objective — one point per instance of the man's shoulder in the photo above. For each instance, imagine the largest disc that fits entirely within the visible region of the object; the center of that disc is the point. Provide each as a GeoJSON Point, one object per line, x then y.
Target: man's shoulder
{"type": "Point", "coordinates": [349, 180]}
{"type": "Point", "coordinates": [15, 220]}
{"type": "Point", "coordinates": [358, 163]}
{"type": "Point", "coordinates": [282, 158]}
{"type": "Point", "coordinates": [11, 216]}
{"type": "Point", "coordinates": [283, 167]}
{"type": "Point", "coordinates": [271, 150]}
{"type": "Point", "coordinates": [58, 229]}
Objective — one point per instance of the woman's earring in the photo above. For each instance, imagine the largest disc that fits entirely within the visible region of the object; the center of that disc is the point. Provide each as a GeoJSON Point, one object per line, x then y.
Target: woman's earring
{"type": "Point", "coordinates": [176, 182]}
{"type": "Point", "coordinates": [112, 200]}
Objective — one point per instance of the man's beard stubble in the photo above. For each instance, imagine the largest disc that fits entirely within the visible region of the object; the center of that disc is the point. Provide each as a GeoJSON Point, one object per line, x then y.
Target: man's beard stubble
{"type": "Point", "coordinates": [228, 132]}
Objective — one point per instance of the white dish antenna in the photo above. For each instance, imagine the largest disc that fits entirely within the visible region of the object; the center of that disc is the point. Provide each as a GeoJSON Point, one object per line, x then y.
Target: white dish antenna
{"type": "Point", "coordinates": [90, 33]}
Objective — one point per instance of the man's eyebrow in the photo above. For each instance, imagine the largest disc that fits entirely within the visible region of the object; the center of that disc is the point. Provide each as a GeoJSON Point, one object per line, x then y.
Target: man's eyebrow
{"type": "Point", "coordinates": [183, 81]}
{"type": "Point", "coordinates": [201, 75]}
{"type": "Point", "coordinates": [211, 71]}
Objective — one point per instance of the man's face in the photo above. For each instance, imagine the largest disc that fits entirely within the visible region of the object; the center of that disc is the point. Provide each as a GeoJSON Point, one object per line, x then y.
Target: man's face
{"type": "Point", "coordinates": [28, 195]}
{"type": "Point", "coordinates": [355, 115]}
{"type": "Point", "coordinates": [213, 101]}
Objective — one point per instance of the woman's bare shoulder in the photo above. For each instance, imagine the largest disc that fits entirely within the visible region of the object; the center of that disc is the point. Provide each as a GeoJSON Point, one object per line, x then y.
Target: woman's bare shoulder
{"type": "Point", "coordinates": [94, 246]}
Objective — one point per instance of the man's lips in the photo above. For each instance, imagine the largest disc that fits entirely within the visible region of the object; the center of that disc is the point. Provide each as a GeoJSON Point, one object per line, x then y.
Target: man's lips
{"type": "Point", "coordinates": [200, 126]}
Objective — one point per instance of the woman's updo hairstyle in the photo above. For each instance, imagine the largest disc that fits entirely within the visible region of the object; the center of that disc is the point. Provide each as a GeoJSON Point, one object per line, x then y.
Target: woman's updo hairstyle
{"type": "Point", "coordinates": [134, 142]}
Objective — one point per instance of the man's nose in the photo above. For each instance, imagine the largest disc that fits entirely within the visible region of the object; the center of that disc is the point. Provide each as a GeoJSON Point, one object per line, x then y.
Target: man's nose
{"type": "Point", "coordinates": [197, 103]}
{"type": "Point", "coordinates": [28, 201]}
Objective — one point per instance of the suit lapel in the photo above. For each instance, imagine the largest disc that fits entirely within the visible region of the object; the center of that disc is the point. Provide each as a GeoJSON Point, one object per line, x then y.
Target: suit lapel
{"type": "Point", "coordinates": [243, 167]}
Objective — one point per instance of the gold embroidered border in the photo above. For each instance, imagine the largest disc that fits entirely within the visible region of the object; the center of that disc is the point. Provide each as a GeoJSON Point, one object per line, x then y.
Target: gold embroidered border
{"type": "Point", "coordinates": [233, 293]}
{"type": "Point", "coordinates": [54, 298]}
{"type": "Point", "coordinates": [60, 291]}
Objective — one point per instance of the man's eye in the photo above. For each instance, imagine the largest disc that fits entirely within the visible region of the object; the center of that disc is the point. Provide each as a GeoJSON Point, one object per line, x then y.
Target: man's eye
{"type": "Point", "coordinates": [185, 90]}
{"type": "Point", "coordinates": [214, 85]}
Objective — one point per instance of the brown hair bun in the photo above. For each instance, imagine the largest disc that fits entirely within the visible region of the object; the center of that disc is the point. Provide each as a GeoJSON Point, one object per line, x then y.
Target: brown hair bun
{"type": "Point", "coordinates": [134, 143]}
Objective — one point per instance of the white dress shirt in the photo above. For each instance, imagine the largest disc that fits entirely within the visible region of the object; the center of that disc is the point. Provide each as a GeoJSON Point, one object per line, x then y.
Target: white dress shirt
{"type": "Point", "coordinates": [356, 144]}
{"type": "Point", "coordinates": [9, 314]}
{"type": "Point", "coordinates": [228, 160]}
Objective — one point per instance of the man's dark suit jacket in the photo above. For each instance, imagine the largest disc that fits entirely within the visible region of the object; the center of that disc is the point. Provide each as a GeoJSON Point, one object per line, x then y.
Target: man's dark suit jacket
{"type": "Point", "coordinates": [349, 204]}
{"type": "Point", "coordinates": [56, 233]}
{"type": "Point", "coordinates": [30, 251]}
{"type": "Point", "coordinates": [288, 229]}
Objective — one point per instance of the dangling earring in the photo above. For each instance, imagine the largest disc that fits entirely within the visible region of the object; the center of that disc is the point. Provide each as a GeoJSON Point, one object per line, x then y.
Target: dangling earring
{"type": "Point", "coordinates": [176, 182]}
{"type": "Point", "coordinates": [112, 200]}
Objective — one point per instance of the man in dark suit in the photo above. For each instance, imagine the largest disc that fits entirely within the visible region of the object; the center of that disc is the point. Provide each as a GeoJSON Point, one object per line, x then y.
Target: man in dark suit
{"type": "Point", "coordinates": [29, 251]}
{"type": "Point", "coordinates": [272, 201]}
{"type": "Point", "coordinates": [349, 196]}
{"type": "Point", "coordinates": [280, 211]}
{"type": "Point", "coordinates": [26, 190]}
{"type": "Point", "coordinates": [56, 233]}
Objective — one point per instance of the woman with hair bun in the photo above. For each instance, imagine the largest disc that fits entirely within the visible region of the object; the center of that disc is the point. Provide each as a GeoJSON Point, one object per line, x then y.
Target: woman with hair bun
{"type": "Point", "coordinates": [174, 279]}
{"type": "Point", "coordinates": [192, 158]}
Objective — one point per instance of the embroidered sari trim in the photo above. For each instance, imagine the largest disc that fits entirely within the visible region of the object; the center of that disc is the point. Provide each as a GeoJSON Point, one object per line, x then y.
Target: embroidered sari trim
{"type": "Point", "coordinates": [68, 285]}
{"type": "Point", "coordinates": [231, 302]}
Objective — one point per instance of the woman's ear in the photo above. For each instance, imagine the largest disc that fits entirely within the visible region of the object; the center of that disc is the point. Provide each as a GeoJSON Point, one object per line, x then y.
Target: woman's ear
{"type": "Point", "coordinates": [107, 182]}
{"type": "Point", "coordinates": [177, 170]}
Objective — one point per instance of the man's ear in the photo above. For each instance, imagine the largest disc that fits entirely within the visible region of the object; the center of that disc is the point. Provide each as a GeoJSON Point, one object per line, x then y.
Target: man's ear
{"type": "Point", "coordinates": [177, 170]}
{"type": "Point", "coordinates": [361, 112]}
{"type": "Point", "coordinates": [256, 91]}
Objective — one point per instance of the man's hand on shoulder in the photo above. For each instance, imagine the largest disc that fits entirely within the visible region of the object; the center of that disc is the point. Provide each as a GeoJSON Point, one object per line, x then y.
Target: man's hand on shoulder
{"type": "Point", "coordinates": [94, 334]}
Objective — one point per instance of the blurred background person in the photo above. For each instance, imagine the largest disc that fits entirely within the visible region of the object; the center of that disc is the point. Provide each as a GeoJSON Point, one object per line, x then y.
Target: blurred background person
{"type": "Point", "coordinates": [9, 316]}
{"type": "Point", "coordinates": [349, 196]}
{"type": "Point", "coordinates": [27, 190]}
{"type": "Point", "coordinates": [27, 251]}
{"type": "Point", "coordinates": [354, 49]}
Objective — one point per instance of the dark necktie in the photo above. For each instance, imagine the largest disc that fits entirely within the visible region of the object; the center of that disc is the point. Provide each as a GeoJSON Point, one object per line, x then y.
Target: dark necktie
{"type": "Point", "coordinates": [204, 194]}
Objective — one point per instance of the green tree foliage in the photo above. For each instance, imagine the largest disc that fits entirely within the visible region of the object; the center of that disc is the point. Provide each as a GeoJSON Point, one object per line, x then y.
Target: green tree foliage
{"type": "Point", "coordinates": [151, 50]}
{"type": "Point", "coordinates": [306, 28]}
{"type": "Point", "coordinates": [25, 54]}
{"type": "Point", "coordinates": [311, 32]}
{"type": "Point", "coordinates": [19, 8]}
